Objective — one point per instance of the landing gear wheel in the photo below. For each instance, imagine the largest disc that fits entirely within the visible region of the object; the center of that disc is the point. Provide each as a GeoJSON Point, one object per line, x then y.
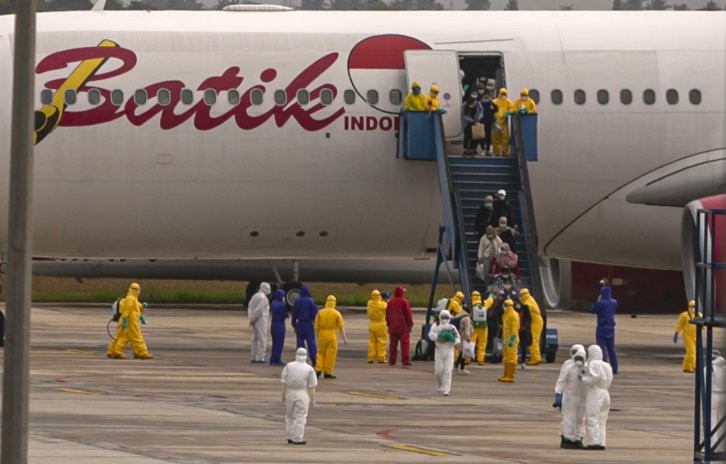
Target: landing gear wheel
{"type": "Point", "coordinates": [292, 292]}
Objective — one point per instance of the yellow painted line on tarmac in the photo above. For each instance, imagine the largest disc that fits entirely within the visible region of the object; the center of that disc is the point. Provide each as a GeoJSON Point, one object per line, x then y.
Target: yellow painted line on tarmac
{"type": "Point", "coordinates": [416, 449]}
{"type": "Point", "coordinates": [77, 392]}
{"type": "Point", "coordinates": [372, 395]}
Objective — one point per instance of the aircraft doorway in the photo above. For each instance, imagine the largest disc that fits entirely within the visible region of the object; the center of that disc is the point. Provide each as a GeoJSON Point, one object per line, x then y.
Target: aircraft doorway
{"type": "Point", "coordinates": [485, 69]}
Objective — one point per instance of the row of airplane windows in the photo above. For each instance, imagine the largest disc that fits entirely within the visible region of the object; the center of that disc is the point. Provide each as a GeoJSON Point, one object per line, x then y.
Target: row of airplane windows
{"type": "Point", "coordinates": [395, 96]}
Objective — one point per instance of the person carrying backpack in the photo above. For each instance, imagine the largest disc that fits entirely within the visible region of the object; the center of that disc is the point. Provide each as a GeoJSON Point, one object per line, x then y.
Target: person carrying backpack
{"type": "Point", "coordinates": [128, 329]}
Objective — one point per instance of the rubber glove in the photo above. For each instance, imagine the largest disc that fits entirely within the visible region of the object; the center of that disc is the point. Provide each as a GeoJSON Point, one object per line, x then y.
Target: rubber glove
{"type": "Point", "coordinates": [558, 401]}
{"type": "Point", "coordinates": [141, 318]}
{"type": "Point", "coordinates": [145, 305]}
{"type": "Point", "coordinates": [675, 338]}
{"type": "Point", "coordinates": [123, 323]}
{"type": "Point", "coordinates": [510, 342]}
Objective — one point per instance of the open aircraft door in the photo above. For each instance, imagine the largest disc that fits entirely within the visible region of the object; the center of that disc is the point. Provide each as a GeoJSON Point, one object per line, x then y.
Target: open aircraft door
{"type": "Point", "coordinates": [440, 67]}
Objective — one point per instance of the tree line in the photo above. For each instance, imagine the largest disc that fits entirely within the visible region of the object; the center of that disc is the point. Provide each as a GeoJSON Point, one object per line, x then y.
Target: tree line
{"type": "Point", "coordinates": [8, 6]}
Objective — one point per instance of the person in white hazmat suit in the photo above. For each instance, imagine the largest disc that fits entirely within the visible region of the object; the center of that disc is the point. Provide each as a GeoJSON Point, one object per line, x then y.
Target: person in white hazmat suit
{"type": "Point", "coordinates": [570, 398]}
{"type": "Point", "coordinates": [298, 392]}
{"type": "Point", "coordinates": [258, 312]}
{"type": "Point", "coordinates": [446, 337]}
{"type": "Point", "coordinates": [718, 398]}
{"type": "Point", "coordinates": [597, 377]}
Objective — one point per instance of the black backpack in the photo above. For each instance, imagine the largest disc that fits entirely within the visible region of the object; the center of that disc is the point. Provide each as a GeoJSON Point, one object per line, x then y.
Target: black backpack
{"type": "Point", "coordinates": [424, 351]}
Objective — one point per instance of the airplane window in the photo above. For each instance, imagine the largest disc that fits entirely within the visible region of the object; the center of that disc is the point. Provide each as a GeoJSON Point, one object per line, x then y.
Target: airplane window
{"type": "Point", "coordinates": [649, 96]}
{"type": "Point", "coordinates": [187, 96]}
{"type": "Point", "coordinates": [140, 96]}
{"type": "Point", "coordinates": [580, 97]}
{"type": "Point", "coordinates": [256, 97]}
{"type": "Point", "coordinates": [303, 97]}
{"type": "Point", "coordinates": [46, 96]}
{"type": "Point", "coordinates": [349, 97]}
{"type": "Point", "coordinates": [117, 97]}
{"type": "Point", "coordinates": [280, 97]}
{"type": "Point", "coordinates": [233, 97]}
{"type": "Point", "coordinates": [94, 96]}
{"type": "Point", "coordinates": [695, 96]}
{"type": "Point", "coordinates": [372, 96]}
{"type": "Point", "coordinates": [534, 95]}
{"type": "Point", "coordinates": [395, 97]}
{"type": "Point", "coordinates": [603, 97]}
{"type": "Point", "coordinates": [164, 97]}
{"type": "Point", "coordinates": [326, 97]}
{"type": "Point", "coordinates": [210, 97]}
{"type": "Point", "coordinates": [672, 96]}
{"type": "Point", "coordinates": [626, 97]}
{"type": "Point", "coordinates": [70, 97]}
{"type": "Point", "coordinates": [556, 96]}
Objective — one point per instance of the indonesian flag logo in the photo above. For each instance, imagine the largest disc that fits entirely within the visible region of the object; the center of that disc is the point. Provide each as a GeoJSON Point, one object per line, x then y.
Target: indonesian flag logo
{"type": "Point", "coordinates": [380, 59]}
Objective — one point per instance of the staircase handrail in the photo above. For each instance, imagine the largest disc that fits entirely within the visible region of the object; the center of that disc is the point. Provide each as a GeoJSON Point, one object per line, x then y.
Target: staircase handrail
{"type": "Point", "coordinates": [525, 201]}
{"type": "Point", "coordinates": [460, 253]}
{"type": "Point", "coordinates": [444, 187]}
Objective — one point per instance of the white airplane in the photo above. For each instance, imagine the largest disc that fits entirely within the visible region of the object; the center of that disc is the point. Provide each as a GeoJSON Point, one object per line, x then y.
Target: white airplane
{"type": "Point", "coordinates": [233, 136]}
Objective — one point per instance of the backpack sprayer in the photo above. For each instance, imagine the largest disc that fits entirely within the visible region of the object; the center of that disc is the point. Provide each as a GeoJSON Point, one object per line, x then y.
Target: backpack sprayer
{"type": "Point", "coordinates": [116, 316]}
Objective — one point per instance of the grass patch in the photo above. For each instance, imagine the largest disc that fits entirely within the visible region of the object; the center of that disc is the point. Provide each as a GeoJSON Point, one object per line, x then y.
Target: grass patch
{"type": "Point", "coordinates": [69, 290]}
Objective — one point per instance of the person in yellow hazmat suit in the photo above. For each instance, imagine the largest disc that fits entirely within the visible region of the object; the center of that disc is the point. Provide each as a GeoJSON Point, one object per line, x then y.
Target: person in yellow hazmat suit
{"type": "Point", "coordinates": [432, 100]}
{"type": "Point", "coordinates": [689, 336]}
{"type": "Point", "coordinates": [480, 333]}
{"type": "Point", "coordinates": [510, 339]}
{"type": "Point", "coordinates": [500, 134]}
{"type": "Point", "coordinates": [415, 100]}
{"type": "Point", "coordinates": [536, 323]}
{"type": "Point", "coordinates": [524, 104]}
{"type": "Point", "coordinates": [377, 329]}
{"type": "Point", "coordinates": [129, 329]}
{"type": "Point", "coordinates": [454, 306]}
{"type": "Point", "coordinates": [328, 323]}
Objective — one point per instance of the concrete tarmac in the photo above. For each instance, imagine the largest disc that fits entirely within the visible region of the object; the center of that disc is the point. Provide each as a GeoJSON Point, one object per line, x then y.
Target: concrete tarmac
{"type": "Point", "coordinates": [200, 400]}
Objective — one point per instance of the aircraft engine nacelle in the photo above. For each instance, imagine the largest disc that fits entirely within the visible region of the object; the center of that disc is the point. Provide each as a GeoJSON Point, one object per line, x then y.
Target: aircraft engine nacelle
{"type": "Point", "coordinates": [708, 242]}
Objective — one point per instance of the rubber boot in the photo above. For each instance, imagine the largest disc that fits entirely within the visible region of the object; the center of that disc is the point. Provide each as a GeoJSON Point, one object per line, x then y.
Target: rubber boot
{"type": "Point", "coordinates": [509, 369]}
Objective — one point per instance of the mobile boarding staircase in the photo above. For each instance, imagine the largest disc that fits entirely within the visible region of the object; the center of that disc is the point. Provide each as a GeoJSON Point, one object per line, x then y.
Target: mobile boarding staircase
{"type": "Point", "coordinates": [463, 183]}
{"type": "Point", "coordinates": [709, 430]}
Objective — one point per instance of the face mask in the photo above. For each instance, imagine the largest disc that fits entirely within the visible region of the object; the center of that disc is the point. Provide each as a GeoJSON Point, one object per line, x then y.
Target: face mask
{"type": "Point", "coordinates": [488, 205]}
{"type": "Point", "coordinates": [502, 226]}
{"type": "Point", "coordinates": [490, 236]}
{"type": "Point", "coordinates": [501, 197]}
{"type": "Point", "coordinates": [578, 363]}
{"type": "Point", "coordinates": [416, 91]}
{"type": "Point", "coordinates": [480, 92]}
{"type": "Point", "coordinates": [444, 321]}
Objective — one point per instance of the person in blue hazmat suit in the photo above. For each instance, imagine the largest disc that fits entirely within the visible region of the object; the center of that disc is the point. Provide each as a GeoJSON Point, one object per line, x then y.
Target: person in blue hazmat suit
{"type": "Point", "coordinates": [278, 314]}
{"type": "Point", "coordinates": [597, 377]}
{"type": "Point", "coordinates": [298, 393]}
{"type": "Point", "coordinates": [445, 335]}
{"type": "Point", "coordinates": [604, 308]}
{"type": "Point", "coordinates": [570, 398]}
{"type": "Point", "coordinates": [303, 318]}
{"type": "Point", "coordinates": [258, 312]}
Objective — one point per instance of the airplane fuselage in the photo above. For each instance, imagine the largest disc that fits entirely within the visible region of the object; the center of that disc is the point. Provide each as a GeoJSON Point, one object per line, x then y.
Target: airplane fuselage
{"type": "Point", "coordinates": [248, 135]}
